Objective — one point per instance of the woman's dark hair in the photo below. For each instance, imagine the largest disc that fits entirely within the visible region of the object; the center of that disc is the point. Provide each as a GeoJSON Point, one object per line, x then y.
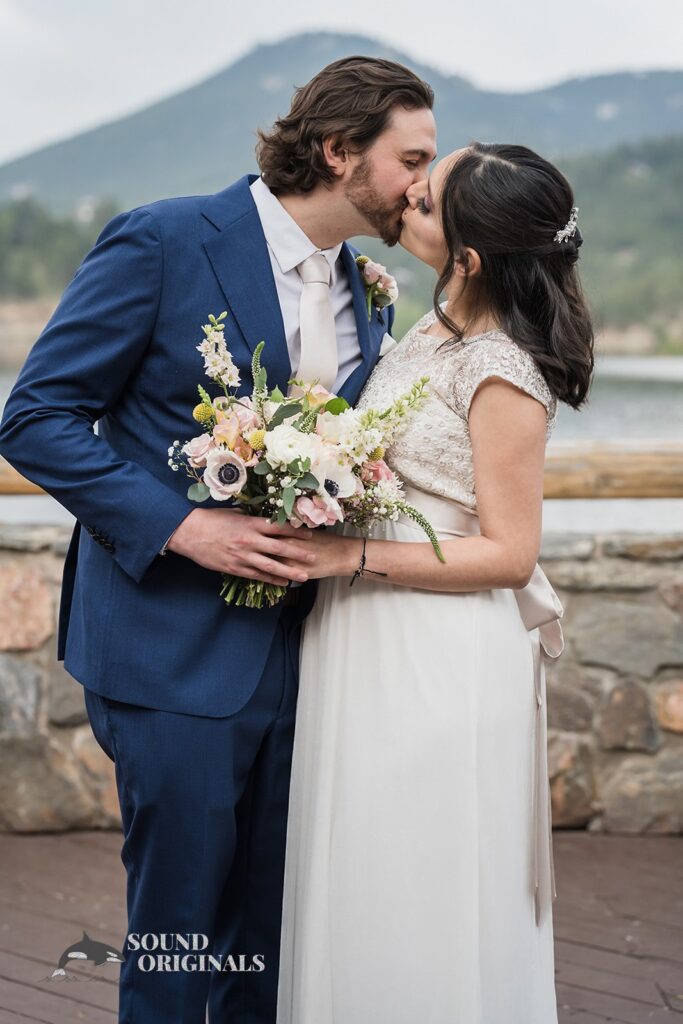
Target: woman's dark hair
{"type": "Point", "coordinates": [508, 203]}
{"type": "Point", "coordinates": [353, 99]}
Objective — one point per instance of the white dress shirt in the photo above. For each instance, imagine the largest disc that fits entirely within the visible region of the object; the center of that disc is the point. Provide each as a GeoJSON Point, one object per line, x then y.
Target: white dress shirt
{"type": "Point", "coordinates": [287, 247]}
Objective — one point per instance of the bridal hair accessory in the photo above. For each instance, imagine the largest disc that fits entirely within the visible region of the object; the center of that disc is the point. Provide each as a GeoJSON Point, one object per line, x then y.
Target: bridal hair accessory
{"type": "Point", "coordinates": [570, 228]}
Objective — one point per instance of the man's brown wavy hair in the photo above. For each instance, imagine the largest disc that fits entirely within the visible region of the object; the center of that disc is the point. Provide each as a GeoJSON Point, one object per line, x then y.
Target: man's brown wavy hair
{"type": "Point", "coordinates": [352, 99]}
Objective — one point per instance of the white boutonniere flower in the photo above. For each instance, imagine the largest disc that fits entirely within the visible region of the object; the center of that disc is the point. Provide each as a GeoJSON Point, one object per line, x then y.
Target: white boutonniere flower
{"type": "Point", "coordinates": [380, 287]}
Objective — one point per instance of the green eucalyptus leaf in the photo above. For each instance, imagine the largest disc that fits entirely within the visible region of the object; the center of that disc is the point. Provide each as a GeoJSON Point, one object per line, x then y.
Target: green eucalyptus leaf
{"type": "Point", "coordinates": [283, 412]}
{"type": "Point", "coordinates": [198, 492]}
{"type": "Point", "coordinates": [308, 481]}
{"type": "Point", "coordinates": [288, 497]}
{"type": "Point", "coordinates": [276, 395]}
{"type": "Point", "coordinates": [336, 405]}
{"type": "Point", "coordinates": [261, 468]}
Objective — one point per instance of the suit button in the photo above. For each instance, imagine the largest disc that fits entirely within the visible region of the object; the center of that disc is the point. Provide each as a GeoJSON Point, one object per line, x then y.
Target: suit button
{"type": "Point", "coordinates": [108, 546]}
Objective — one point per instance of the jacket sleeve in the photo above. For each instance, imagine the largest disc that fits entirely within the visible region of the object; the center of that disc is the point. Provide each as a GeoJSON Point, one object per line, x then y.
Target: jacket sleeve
{"type": "Point", "coordinates": [75, 373]}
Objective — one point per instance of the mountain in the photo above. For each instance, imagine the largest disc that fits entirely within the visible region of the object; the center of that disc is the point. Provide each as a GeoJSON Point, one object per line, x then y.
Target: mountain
{"type": "Point", "coordinates": [202, 138]}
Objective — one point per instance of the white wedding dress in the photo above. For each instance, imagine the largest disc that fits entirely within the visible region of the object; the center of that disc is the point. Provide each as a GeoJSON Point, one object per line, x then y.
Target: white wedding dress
{"type": "Point", "coordinates": [419, 880]}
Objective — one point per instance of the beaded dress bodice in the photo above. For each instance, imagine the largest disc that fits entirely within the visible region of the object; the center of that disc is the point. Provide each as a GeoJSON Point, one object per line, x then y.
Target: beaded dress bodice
{"type": "Point", "coordinates": [433, 450]}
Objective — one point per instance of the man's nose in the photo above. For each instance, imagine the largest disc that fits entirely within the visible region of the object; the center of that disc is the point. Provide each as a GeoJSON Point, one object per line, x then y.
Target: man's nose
{"type": "Point", "coordinates": [413, 192]}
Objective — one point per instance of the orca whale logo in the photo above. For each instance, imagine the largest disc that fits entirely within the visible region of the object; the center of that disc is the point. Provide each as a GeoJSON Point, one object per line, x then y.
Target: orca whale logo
{"type": "Point", "coordinates": [86, 950]}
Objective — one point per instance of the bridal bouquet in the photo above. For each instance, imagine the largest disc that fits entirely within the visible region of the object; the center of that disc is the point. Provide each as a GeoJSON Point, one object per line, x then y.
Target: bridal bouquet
{"type": "Point", "coordinates": [308, 459]}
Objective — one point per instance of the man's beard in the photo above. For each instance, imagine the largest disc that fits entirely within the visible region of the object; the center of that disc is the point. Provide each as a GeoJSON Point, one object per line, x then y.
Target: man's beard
{"type": "Point", "coordinates": [362, 194]}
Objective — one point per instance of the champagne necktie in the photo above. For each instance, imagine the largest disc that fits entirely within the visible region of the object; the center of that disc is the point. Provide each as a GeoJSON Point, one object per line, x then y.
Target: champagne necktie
{"type": "Point", "coordinates": [319, 359]}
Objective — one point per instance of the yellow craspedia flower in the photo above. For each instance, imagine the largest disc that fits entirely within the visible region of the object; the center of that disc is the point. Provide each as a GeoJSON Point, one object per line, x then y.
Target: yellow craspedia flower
{"type": "Point", "coordinates": [257, 440]}
{"type": "Point", "coordinates": [377, 454]}
{"type": "Point", "coordinates": [202, 413]}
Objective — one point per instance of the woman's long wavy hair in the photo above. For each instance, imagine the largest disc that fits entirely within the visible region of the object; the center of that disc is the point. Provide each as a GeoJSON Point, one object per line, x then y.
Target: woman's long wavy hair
{"type": "Point", "coordinates": [352, 99]}
{"type": "Point", "coordinates": [508, 203]}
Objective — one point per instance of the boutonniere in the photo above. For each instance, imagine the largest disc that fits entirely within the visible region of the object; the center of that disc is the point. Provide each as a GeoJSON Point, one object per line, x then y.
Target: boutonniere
{"type": "Point", "coordinates": [380, 288]}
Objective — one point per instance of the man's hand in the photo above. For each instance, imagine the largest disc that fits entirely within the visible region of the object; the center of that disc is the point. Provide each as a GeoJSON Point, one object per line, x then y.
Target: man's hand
{"type": "Point", "coordinates": [231, 542]}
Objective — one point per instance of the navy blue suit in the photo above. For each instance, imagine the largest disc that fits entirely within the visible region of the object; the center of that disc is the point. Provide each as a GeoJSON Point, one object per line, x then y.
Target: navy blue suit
{"type": "Point", "coordinates": [193, 700]}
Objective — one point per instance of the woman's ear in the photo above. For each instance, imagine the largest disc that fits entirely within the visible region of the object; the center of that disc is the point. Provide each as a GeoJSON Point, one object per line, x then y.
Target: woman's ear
{"type": "Point", "coordinates": [468, 263]}
{"type": "Point", "coordinates": [336, 154]}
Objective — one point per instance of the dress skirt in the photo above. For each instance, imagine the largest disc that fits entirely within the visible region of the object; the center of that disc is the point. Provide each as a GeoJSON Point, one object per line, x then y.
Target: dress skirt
{"type": "Point", "coordinates": [409, 893]}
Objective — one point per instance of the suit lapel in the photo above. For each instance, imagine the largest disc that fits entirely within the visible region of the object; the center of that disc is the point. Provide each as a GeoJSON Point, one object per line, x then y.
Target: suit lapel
{"type": "Point", "coordinates": [239, 256]}
{"type": "Point", "coordinates": [370, 332]}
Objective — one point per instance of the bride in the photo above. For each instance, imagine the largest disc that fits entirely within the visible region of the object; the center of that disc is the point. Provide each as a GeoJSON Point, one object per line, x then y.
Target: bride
{"type": "Point", "coordinates": [419, 876]}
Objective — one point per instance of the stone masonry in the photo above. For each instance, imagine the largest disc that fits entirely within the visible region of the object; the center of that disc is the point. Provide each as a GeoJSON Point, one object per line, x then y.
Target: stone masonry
{"type": "Point", "coordinates": [615, 697]}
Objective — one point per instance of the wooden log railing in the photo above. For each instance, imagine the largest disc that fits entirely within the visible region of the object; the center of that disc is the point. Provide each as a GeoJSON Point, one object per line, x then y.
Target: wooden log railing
{"type": "Point", "coordinates": [622, 469]}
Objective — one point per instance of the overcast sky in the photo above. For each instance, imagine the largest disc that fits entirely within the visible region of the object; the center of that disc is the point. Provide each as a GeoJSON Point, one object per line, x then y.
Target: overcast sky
{"type": "Point", "coordinates": [67, 65]}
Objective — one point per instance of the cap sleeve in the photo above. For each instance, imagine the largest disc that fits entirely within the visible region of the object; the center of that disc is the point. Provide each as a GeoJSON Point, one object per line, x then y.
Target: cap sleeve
{"type": "Point", "coordinates": [500, 357]}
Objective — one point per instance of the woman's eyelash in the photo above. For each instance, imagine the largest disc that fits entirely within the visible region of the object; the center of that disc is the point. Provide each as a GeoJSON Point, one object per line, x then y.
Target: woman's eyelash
{"type": "Point", "coordinates": [422, 205]}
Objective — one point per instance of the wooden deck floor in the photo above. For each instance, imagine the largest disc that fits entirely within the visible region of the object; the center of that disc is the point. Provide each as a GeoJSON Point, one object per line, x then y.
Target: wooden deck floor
{"type": "Point", "coordinates": [618, 927]}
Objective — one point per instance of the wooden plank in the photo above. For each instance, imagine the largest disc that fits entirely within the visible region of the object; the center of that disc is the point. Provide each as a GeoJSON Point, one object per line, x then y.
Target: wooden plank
{"type": "Point", "coordinates": [12, 482]}
{"type": "Point", "coordinates": [50, 1008]}
{"type": "Point", "coordinates": [573, 952]}
{"type": "Point", "coordinates": [615, 470]}
{"type": "Point", "coordinates": [30, 934]}
{"type": "Point", "coordinates": [640, 990]}
{"type": "Point", "coordinates": [97, 986]}
{"type": "Point", "coordinates": [579, 1017]}
{"type": "Point", "coordinates": [611, 1006]}
{"type": "Point", "coordinates": [66, 880]}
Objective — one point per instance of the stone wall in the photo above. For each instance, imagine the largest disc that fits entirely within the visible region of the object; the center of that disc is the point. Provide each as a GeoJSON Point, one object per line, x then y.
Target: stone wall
{"type": "Point", "coordinates": [615, 697]}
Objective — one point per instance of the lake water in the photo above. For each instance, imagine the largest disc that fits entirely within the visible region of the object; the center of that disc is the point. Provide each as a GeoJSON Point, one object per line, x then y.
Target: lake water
{"type": "Point", "coordinates": [632, 398]}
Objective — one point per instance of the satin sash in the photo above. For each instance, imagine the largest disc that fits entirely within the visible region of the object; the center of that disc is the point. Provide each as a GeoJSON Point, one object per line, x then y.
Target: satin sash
{"type": "Point", "coordinates": [540, 610]}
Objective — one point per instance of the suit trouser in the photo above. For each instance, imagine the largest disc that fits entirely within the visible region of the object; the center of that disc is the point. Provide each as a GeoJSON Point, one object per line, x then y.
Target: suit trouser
{"type": "Point", "coordinates": [204, 811]}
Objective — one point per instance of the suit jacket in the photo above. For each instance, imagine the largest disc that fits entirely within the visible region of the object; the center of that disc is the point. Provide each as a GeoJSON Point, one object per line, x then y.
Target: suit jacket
{"type": "Point", "coordinates": [120, 350]}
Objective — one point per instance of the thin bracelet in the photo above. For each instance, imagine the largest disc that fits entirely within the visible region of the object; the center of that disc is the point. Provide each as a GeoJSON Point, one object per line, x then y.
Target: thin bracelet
{"type": "Point", "coordinates": [361, 567]}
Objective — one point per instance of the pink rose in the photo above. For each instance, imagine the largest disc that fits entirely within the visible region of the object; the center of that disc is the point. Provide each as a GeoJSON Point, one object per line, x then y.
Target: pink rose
{"type": "Point", "coordinates": [247, 418]}
{"type": "Point", "coordinates": [373, 472]}
{"type": "Point", "coordinates": [197, 450]}
{"type": "Point", "coordinates": [318, 395]}
{"type": "Point", "coordinates": [225, 474]}
{"type": "Point", "coordinates": [318, 511]}
{"type": "Point", "coordinates": [373, 271]}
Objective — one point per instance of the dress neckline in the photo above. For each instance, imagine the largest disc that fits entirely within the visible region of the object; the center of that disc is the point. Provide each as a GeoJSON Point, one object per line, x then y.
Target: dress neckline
{"type": "Point", "coordinates": [431, 317]}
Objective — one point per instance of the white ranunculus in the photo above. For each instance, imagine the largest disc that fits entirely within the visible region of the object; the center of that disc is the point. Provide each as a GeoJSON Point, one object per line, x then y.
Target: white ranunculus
{"type": "Point", "coordinates": [284, 444]}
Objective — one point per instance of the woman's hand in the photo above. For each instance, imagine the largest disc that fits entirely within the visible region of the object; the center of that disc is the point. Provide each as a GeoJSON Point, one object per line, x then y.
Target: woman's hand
{"type": "Point", "coordinates": [334, 555]}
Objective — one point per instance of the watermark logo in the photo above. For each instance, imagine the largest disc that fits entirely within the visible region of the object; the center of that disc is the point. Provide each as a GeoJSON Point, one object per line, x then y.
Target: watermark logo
{"type": "Point", "coordinates": [87, 950]}
{"type": "Point", "coordinates": [162, 952]}
{"type": "Point", "coordinates": [171, 952]}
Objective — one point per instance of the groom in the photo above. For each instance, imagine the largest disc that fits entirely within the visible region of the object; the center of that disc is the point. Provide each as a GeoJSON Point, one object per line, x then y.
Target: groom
{"type": "Point", "coordinates": [195, 701]}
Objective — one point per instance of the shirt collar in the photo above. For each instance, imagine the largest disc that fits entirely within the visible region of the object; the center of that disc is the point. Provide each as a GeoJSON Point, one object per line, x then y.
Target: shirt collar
{"type": "Point", "coordinates": [287, 242]}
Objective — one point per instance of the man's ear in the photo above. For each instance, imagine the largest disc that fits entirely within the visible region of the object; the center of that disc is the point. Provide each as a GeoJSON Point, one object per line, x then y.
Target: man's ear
{"type": "Point", "coordinates": [336, 153]}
